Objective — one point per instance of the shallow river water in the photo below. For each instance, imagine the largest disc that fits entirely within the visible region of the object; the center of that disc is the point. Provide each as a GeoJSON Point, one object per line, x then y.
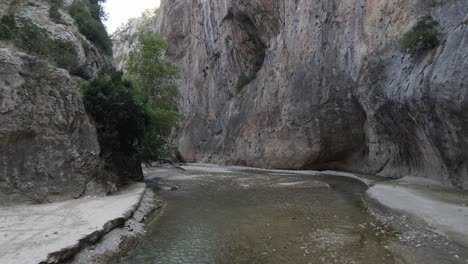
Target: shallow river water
{"type": "Point", "coordinates": [248, 216]}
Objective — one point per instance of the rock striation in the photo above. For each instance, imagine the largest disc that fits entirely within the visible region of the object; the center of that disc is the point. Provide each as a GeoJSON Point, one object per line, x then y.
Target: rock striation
{"type": "Point", "coordinates": [321, 84]}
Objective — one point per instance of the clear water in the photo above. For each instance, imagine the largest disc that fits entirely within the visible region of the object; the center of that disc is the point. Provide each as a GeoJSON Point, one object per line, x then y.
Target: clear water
{"type": "Point", "coordinates": [247, 217]}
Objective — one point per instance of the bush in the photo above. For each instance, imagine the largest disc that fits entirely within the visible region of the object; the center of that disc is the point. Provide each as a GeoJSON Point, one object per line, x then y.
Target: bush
{"type": "Point", "coordinates": [90, 24]}
{"type": "Point", "coordinates": [54, 13]}
{"type": "Point", "coordinates": [5, 32]}
{"type": "Point", "coordinates": [422, 37]}
{"type": "Point", "coordinates": [35, 40]}
{"type": "Point", "coordinates": [31, 38]}
{"type": "Point", "coordinates": [63, 54]}
{"type": "Point", "coordinates": [120, 118]}
{"type": "Point", "coordinates": [7, 27]}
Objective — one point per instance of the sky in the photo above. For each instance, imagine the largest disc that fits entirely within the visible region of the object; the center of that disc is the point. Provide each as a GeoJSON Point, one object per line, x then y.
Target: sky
{"type": "Point", "coordinates": [120, 11]}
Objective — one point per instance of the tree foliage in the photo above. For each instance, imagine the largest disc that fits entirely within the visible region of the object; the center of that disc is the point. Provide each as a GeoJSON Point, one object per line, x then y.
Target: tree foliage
{"type": "Point", "coordinates": [422, 37]}
{"type": "Point", "coordinates": [120, 118]}
{"type": "Point", "coordinates": [135, 113]}
{"type": "Point", "coordinates": [88, 18]}
{"type": "Point", "coordinates": [156, 89]}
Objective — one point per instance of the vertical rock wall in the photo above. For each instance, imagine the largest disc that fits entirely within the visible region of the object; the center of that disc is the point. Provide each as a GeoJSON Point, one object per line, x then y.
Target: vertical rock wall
{"type": "Point", "coordinates": [321, 84]}
{"type": "Point", "coordinates": [48, 145]}
{"type": "Point", "coordinates": [49, 149]}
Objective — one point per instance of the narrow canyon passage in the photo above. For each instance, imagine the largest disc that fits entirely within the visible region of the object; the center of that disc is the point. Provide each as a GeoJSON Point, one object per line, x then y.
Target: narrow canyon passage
{"type": "Point", "coordinates": [235, 215]}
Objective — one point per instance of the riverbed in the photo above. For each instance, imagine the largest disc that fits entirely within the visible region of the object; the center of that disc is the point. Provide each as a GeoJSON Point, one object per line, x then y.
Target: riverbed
{"type": "Point", "coordinates": [240, 215]}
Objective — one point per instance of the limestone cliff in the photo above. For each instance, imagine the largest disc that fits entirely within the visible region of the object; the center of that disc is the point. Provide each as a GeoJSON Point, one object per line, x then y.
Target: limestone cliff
{"type": "Point", "coordinates": [48, 146]}
{"type": "Point", "coordinates": [321, 84]}
{"type": "Point", "coordinates": [124, 40]}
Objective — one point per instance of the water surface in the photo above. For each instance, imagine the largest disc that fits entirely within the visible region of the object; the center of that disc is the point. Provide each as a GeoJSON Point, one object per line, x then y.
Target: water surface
{"type": "Point", "coordinates": [259, 217]}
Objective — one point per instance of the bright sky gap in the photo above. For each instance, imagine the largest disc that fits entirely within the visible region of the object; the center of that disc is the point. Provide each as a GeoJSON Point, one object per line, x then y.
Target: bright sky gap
{"type": "Point", "coordinates": [120, 11]}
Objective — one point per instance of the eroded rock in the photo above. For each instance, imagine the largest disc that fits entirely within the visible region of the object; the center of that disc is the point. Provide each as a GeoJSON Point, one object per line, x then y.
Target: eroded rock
{"type": "Point", "coordinates": [49, 148]}
{"type": "Point", "coordinates": [332, 90]}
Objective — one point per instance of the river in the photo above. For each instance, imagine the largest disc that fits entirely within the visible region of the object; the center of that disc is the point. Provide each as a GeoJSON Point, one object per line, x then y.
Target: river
{"type": "Point", "coordinates": [240, 215]}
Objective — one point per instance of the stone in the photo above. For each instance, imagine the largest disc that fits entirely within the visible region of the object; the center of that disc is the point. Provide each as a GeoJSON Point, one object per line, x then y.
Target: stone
{"type": "Point", "coordinates": [84, 220]}
{"type": "Point", "coordinates": [90, 58]}
{"type": "Point", "coordinates": [49, 148]}
{"type": "Point", "coordinates": [320, 85]}
{"type": "Point", "coordinates": [424, 208]}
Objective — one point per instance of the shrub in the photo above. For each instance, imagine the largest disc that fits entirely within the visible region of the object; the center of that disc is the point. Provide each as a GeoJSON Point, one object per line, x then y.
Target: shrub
{"type": "Point", "coordinates": [120, 118]}
{"type": "Point", "coordinates": [5, 32]}
{"type": "Point", "coordinates": [7, 26]}
{"type": "Point", "coordinates": [90, 25]}
{"type": "Point", "coordinates": [54, 13]}
{"type": "Point", "coordinates": [32, 38]}
{"type": "Point", "coordinates": [35, 40]}
{"type": "Point", "coordinates": [63, 54]}
{"type": "Point", "coordinates": [422, 37]}
{"type": "Point", "coordinates": [9, 20]}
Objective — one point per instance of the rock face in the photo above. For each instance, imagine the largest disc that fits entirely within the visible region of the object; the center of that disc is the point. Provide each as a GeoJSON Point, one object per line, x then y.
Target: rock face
{"type": "Point", "coordinates": [49, 149]}
{"type": "Point", "coordinates": [90, 58]}
{"type": "Point", "coordinates": [321, 84]}
{"type": "Point", "coordinates": [125, 39]}
{"type": "Point", "coordinates": [48, 146]}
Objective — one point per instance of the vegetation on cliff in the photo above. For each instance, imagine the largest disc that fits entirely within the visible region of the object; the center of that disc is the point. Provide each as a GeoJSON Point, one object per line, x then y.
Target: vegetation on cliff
{"type": "Point", "coordinates": [34, 40]}
{"type": "Point", "coordinates": [422, 37]}
{"type": "Point", "coordinates": [7, 26]}
{"type": "Point", "coordinates": [54, 13]}
{"type": "Point", "coordinates": [89, 19]}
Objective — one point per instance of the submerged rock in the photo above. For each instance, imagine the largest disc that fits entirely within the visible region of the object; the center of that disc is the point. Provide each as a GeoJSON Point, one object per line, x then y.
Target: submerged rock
{"type": "Point", "coordinates": [302, 184]}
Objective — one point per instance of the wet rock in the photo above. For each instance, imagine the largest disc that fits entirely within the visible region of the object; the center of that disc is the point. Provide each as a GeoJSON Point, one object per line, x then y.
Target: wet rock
{"type": "Point", "coordinates": [301, 184]}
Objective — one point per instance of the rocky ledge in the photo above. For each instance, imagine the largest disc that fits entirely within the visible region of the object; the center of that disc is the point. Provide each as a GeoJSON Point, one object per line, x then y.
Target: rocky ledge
{"type": "Point", "coordinates": [431, 217]}
{"type": "Point", "coordinates": [54, 233]}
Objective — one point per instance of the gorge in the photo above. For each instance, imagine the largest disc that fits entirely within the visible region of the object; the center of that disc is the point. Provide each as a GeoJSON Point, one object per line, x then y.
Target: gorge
{"type": "Point", "coordinates": [294, 91]}
{"type": "Point", "coordinates": [331, 89]}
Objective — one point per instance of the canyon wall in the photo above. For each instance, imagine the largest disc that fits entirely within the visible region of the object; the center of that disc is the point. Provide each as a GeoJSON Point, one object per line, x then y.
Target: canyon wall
{"type": "Point", "coordinates": [321, 84]}
{"type": "Point", "coordinates": [49, 148]}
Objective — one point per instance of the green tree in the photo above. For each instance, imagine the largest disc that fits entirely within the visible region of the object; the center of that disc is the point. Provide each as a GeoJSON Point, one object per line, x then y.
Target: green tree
{"type": "Point", "coordinates": [156, 89]}
{"type": "Point", "coordinates": [120, 118]}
